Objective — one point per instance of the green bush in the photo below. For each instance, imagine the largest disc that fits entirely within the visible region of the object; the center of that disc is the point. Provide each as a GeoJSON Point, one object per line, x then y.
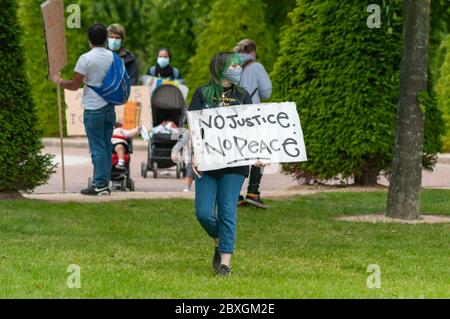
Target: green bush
{"type": "Point", "coordinates": [43, 91]}
{"type": "Point", "coordinates": [174, 26]}
{"type": "Point", "coordinates": [228, 23]}
{"type": "Point", "coordinates": [344, 78]}
{"type": "Point", "coordinates": [22, 166]}
{"type": "Point", "coordinates": [443, 92]}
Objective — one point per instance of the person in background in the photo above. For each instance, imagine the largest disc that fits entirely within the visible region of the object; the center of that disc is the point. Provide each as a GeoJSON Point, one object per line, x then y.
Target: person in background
{"type": "Point", "coordinates": [116, 41]}
{"type": "Point", "coordinates": [217, 191]}
{"type": "Point", "coordinates": [99, 116]}
{"type": "Point", "coordinates": [258, 84]}
{"type": "Point", "coordinates": [163, 68]}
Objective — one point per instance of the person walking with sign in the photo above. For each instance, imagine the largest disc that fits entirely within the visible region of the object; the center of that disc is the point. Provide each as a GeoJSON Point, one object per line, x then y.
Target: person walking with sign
{"type": "Point", "coordinates": [257, 82]}
{"type": "Point", "coordinates": [217, 191]}
{"type": "Point", "coordinates": [107, 85]}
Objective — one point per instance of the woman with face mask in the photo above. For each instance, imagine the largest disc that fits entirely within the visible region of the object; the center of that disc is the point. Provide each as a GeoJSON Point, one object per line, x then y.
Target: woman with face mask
{"type": "Point", "coordinates": [163, 68]}
{"type": "Point", "coordinates": [116, 39]}
{"type": "Point", "coordinates": [217, 191]}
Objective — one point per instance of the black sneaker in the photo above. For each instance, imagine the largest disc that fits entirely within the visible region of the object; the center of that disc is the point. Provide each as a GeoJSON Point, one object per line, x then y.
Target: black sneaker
{"type": "Point", "coordinates": [255, 200]}
{"type": "Point", "coordinates": [223, 271]}
{"type": "Point", "coordinates": [96, 191]}
{"type": "Point", "coordinates": [216, 259]}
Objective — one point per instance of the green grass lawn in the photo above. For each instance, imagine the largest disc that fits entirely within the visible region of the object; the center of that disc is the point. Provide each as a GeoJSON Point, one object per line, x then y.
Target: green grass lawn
{"type": "Point", "coordinates": [156, 249]}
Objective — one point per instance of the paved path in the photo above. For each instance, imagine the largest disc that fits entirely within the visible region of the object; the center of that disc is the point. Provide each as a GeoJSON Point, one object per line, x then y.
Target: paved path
{"type": "Point", "coordinates": [78, 170]}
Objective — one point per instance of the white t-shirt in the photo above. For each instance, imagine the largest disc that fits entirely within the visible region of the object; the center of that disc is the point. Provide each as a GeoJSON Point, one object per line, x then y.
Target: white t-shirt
{"type": "Point", "coordinates": [94, 65]}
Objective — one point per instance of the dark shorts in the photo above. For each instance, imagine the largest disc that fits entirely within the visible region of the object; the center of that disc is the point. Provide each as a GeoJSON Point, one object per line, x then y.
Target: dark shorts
{"type": "Point", "coordinates": [189, 170]}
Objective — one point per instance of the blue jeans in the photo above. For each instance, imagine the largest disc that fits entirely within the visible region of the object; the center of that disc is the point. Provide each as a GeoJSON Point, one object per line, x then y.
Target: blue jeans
{"type": "Point", "coordinates": [216, 205]}
{"type": "Point", "coordinates": [99, 125]}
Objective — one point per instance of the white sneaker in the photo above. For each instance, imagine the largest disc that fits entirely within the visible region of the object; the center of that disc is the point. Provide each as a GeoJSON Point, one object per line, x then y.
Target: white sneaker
{"type": "Point", "coordinates": [186, 190]}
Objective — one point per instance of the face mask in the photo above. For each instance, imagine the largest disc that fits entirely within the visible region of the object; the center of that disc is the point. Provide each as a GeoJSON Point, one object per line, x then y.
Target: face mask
{"type": "Point", "coordinates": [246, 57]}
{"type": "Point", "coordinates": [234, 75]}
{"type": "Point", "coordinates": [163, 62]}
{"type": "Point", "coordinates": [114, 44]}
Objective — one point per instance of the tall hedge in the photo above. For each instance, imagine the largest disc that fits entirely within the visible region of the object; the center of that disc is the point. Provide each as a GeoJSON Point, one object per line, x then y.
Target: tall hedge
{"type": "Point", "coordinates": [344, 78]}
{"type": "Point", "coordinates": [443, 92]}
{"type": "Point", "coordinates": [42, 90]}
{"type": "Point", "coordinates": [22, 166]}
{"type": "Point", "coordinates": [277, 19]}
{"type": "Point", "coordinates": [174, 25]}
{"type": "Point", "coordinates": [228, 23]}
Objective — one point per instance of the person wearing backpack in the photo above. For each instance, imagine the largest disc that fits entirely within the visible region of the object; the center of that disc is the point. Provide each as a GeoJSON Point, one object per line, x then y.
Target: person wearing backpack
{"type": "Point", "coordinates": [107, 85]}
{"type": "Point", "coordinates": [116, 40]}
{"type": "Point", "coordinates": [258, 84]}
{"type": "Point", "coordinates": [163, 68]}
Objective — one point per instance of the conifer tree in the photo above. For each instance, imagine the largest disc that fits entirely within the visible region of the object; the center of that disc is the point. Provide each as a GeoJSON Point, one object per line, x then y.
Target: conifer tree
{"type": "Point", "coordinates": [22, 166]}
{"type": "Point", "coordinates": [228, 23]}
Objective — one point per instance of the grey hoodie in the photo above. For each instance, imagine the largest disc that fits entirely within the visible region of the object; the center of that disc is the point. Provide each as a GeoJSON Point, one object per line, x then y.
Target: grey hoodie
{"type": "Point", "coordinates": [255, 79]}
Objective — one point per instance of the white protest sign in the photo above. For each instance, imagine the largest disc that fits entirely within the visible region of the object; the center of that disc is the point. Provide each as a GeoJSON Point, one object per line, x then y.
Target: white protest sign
{"type": "Point", "coordinates": [74, 111]}
{"type": "Point", "coordinates": [244, 134]}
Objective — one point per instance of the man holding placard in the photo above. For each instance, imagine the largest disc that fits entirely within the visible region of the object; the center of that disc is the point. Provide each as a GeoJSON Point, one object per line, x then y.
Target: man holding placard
{"type": "Point", "coordinates": [99, 115]}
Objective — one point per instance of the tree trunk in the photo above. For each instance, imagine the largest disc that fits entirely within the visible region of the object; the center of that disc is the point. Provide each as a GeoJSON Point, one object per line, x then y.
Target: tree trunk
{"type": "Point", "coordinates": [406, 180]}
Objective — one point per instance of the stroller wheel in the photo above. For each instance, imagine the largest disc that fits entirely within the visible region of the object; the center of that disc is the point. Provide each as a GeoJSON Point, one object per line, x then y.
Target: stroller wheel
{"type": "Point", "coordinates": [155, 170]}
{"type": "Point", "coordinates": [131, 185]}
{"type": "Point", "coordinates": [144, 169]}
{"type": "Point", "coordinates": [123, 185]}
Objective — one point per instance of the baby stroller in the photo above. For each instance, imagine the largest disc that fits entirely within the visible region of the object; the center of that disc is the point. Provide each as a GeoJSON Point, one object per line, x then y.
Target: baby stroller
{"type": "Point", "coordinates": [121, 179]}
{"type": "Point", "coordinates": [168, 104]}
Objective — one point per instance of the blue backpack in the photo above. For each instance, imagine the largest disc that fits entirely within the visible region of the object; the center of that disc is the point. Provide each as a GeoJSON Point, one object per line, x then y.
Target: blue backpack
{"type": "Point", "coordinates": [116, 86]}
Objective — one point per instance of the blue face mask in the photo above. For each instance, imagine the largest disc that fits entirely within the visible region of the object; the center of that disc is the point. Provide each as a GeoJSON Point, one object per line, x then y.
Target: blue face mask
{"type": "Point", "coordinates": [163, 62]}
{"type": "Point", "coordinates": [234, 75]}
{"type": "Point", "coordinates": [114, 44]}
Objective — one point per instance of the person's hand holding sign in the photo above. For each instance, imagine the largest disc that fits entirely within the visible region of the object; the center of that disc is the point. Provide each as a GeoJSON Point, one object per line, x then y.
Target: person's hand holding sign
{"type": "Point", "coordinates": [259, 164]}
{"type": "Point", "coordinates": [57, 79]}
{"type": "Point", "coordinates": [72, 85]}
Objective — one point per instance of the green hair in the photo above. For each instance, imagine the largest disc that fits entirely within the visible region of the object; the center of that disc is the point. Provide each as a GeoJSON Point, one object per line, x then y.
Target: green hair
{"type": "Point", "coordinates": [219, 64]}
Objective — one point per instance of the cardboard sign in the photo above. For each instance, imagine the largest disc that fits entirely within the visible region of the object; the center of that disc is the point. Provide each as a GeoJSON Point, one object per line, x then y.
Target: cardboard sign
{"type": "Point", "coordinates": [140, 95]}
{"type": "Point", "coordinates": [55, 38]}
{"type": "Point", "coordinates": [244, 134]}
{"type": "Point", "coordinates": [130, 115]}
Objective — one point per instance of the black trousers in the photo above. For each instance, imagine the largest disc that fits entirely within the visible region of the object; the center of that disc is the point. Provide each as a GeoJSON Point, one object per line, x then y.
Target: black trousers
{"type": "Point", "coordinates": [254, 180]}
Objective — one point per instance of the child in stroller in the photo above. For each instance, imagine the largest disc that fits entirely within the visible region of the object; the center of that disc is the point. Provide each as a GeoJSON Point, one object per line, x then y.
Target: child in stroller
{"type": "Point", "coordinates": [122, 149]}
